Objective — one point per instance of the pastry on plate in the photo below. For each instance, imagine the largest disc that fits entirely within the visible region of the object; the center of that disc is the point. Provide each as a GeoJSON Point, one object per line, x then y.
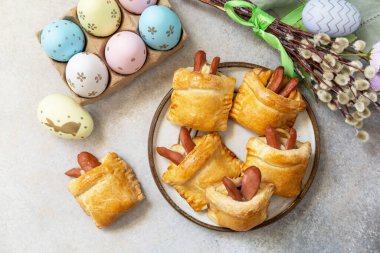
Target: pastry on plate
{"type": "Point", "coordinates": [197, 164]}
{"type": "Point", "coordinates": [281, 159]}
{"type": "Point", "coordinates": [106, 191]}
{"type": "Point", "coordinates": [267, 98]}
{"type": "Point", "coordinates": [240, 210]}
{"type": "Point", "coordinates": [202, 97]}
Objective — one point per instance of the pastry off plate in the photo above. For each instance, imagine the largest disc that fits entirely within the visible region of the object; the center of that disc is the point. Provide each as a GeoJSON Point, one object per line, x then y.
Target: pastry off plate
{"type": "Point", "coordinates": [163, 133]}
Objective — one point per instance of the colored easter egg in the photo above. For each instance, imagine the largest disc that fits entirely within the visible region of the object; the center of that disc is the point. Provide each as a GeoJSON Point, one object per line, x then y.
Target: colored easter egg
{"type": "Point", "coordinates": [100, 18]}
{"type": "Point", "coordinates": [335, 18]}
{"type": "Point", "coordinates": [63, 117]}
{"type": "Point", "coordinates": [160, 27]}
{"type": "Point", "coordinates": [125, 52]}
{"type": "Point", "coordinates": [62, 39]}
{"type": "Point", "coordinates": [137, 6]}
{"type": "Point", "coordinates": [87, 75]}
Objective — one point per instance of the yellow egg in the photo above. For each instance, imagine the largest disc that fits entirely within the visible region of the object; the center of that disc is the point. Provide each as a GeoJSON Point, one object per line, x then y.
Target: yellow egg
{"type": "Point", "coordinates": [63, 117]}
{"type": "Point", "coordinates": [100, 18]}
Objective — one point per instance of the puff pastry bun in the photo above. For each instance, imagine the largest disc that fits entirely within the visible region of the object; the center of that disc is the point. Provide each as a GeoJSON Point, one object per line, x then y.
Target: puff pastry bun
{"type": "Point", "coordinates": [238, 215]}
{"type": "Point", "coordinates": [204, 166]}
{"type": "Point", "coordinates": [201, 100]}
{"type": "Point", "coordinates": [283, 168]}
{"type": "Point", "coordinates": [107, 191]}
{"type": "Point", "coordinates": [256, 107]}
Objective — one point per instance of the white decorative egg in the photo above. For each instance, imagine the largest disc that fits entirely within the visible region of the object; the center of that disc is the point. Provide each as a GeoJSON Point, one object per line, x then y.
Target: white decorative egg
{"type": "Point", "coordinates": [87, 75]}
{"type": "Point", "coordinates": [335, 17]}
{"type": "Point", "coordinates": [62, 116]}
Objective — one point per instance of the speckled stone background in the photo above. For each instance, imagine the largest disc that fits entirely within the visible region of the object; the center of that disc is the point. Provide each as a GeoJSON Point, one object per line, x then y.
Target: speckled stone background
{"type": "Point", "coordinates": [341, 213]}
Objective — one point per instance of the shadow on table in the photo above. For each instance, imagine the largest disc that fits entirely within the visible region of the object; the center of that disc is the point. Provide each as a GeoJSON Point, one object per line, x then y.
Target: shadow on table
{"type": "Point", "coordinates": [131, 218]}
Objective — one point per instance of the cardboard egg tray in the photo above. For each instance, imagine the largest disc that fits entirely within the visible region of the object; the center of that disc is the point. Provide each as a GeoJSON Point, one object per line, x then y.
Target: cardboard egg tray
{"type": "Point", "coordinates": [97, 45]}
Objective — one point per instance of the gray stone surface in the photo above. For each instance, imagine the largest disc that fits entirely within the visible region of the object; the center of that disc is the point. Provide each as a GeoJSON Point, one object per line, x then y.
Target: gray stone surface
{"type": "Point", "coordinates": [341, 213]}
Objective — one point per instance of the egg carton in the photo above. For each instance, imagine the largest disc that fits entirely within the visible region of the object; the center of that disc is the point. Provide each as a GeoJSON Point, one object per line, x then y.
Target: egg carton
{"type": "Point", "coordinates": [97, 45]}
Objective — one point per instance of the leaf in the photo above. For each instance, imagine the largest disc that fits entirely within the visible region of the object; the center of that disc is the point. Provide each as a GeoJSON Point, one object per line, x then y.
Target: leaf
{"type": "Point", "coordinates": [351, 37]}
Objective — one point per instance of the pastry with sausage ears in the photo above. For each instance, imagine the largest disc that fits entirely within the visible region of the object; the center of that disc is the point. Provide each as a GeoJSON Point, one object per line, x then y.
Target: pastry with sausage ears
{"type": "Point", "coordinates": [242, 213]}
{"type": "Point", "coordinates": [281, 159]}
{"type": "Point", "coordinates": [202, 97]}
{"type": "Point", "coordinates": [267, 98]}
{"type": "Point", "coordinates": [107, 191]}
{"type": "Point", "coordinates": [198, 164]}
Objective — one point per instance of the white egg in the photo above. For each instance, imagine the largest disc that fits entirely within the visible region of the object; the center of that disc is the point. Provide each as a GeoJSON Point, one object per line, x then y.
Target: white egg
{"type": "Point", "coordinates": [336, 18]}
{"type": "Point", "coordinates": [65, 118]}
{"type": "Point", "coordinates": [87, 75]}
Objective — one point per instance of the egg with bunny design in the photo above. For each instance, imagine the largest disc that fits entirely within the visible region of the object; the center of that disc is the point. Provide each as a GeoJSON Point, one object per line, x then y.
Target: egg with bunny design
{"type": "Point", "coordinates": [64, 118]}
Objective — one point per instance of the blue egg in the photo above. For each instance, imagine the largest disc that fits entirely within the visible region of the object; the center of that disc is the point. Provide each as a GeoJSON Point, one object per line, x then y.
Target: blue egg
{"type": "Point", "coordinates": [160, 27]}
{"type": "Point", "coordinates": [62, 39]}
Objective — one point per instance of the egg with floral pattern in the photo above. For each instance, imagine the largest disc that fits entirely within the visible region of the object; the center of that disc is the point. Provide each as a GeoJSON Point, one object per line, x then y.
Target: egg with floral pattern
{"type": "Point", "coordinates": [65, 118]}
{"type": "Point", "coordinates": [137, 6]}
{"type": "Point", "coordinates": [100, 18]}
{"type": "Point", "coordinates": [125, 52]}
{"type": "Point", "coordinates": [62, 39]}
{"type": "Point", "coordinates": [160, 27]}
{"type": "Point", "coordinates": [87, 75]}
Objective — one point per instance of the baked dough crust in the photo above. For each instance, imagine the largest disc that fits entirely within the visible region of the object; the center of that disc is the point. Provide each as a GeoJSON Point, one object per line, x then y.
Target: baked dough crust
{"type": "Point", "coordinates": [256, 107]}
{"type": "Point", "coordinates": [204, 166]}
{"type": "Point", "coordinates": [107, 191]}
{"type": "Point", "coordinates": [238, 215]}
{"type": "Point", "coordinates": [283, 168]}
{"type": "Point", "coordinates": [201, 101]}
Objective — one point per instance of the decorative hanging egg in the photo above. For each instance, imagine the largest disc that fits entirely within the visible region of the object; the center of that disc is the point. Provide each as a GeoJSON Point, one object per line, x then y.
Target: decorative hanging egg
{"type": "Point", "coordinates": [336, 18]}
{"type": "Point", "coordinates": [62, 39]}
{"type": "Point", "coordinates": [137, 6]}
{"type": "Point", "coordinates": [100, 18]}
{"type": "Point", "coordinates": [160, 27]}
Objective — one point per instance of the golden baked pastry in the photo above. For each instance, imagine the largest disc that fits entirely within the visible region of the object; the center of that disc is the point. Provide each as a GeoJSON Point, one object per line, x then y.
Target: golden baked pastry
{"type": "Point", "coordinates": [256, 106]}
{"type": "Point", "coordinates": [285, 168]}
{"type": "Point", "coordinates": [204, 166]}
{"type": "Point", "coordinates": [238, 215]}
{"type": "Point", "coordinates": [201, 99]}
{"type": "Point", "coordinates": [107, 191]}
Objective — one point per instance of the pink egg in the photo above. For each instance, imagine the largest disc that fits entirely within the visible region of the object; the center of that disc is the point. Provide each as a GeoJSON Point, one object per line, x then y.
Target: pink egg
{"type": "Point", "coordinates": [125, 52]}
{"type": "Point", "coordinates": [137, 6]}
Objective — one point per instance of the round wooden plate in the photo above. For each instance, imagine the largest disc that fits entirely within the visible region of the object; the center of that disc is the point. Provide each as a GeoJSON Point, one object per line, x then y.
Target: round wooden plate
{"type": "Point", "coordinates": [163, 133]}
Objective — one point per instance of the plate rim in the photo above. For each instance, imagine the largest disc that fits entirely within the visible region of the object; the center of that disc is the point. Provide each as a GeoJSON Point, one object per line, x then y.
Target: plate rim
{"type": "Point", "coordinates": [287, 210]}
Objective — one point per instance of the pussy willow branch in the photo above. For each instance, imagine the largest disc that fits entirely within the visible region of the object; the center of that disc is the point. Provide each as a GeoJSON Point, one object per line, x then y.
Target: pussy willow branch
{"type": "Point", "coordinates": [219, 4]}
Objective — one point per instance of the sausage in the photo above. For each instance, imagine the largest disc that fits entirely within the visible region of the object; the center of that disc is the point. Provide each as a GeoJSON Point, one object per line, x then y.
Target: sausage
{"type": "Point", "coordinates": [87, 161]}
{"type": "Point", "coordinates": [214, 65]}
{"type": "Point", "coordinates": [276, 80]}
{"type": "Point", "coordinates": [232, 190]}
{"type": "Point", "coordinates": [173, 156]}
{"type": "Point", "coordinates": [76, 172]}
{"type": "Point", "coordinates": [272, 139]}
{"type": "Point", "coordinates": [289, 87]}
{"type": "Point", "coordinates": [292, 139]}
{"type": "Point", "coordinates": [251, 182]}
{"type": "Point", "coordinates": [186, 140]}
{"type": "Point", "coordinates": [199, 60]}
